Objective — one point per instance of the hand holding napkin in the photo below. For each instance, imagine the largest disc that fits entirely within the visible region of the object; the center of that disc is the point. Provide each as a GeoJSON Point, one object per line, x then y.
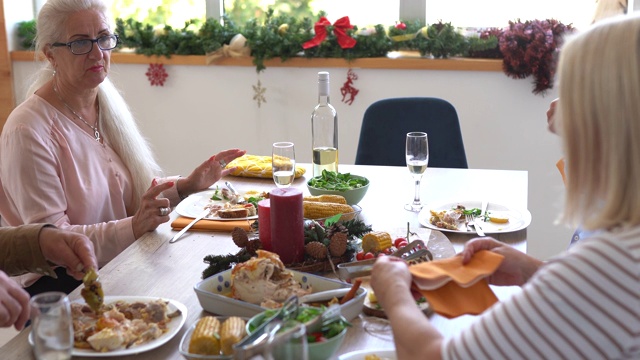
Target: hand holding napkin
{"type": "Point", "coordinates": [453, 289]}
{"type": "Point", "coordinates": [211, 225]}
{"type": "Point", "coordinates": [256, 166]}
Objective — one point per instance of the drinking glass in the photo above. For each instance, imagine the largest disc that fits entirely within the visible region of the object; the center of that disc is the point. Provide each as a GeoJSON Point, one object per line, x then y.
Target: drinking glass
{"type": "Point", "coordinates": [52, 326]}
{"type": "Point", "coordinates": [417, 161]}
{"type": "Point", "coordinates": [286, 341]}
{"type": "Point", "coordinates": [283, 163]}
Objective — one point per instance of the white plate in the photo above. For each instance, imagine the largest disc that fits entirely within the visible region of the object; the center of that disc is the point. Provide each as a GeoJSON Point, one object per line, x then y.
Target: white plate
{"type": "Point", "coordinates": [213, 295]}
{"type": "Point", "coordinates": [173, 327]}
{"type": "Point", "coordinates": [194, 205]}
{"type": "Point", "coordinates": [518, 219]}
{"type": "Point", "coordinates": [384, 354]}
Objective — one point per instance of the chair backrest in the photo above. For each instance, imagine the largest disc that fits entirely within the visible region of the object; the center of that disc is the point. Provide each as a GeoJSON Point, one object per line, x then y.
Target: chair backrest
{"type": "Point", "coordinates": [386, 123]}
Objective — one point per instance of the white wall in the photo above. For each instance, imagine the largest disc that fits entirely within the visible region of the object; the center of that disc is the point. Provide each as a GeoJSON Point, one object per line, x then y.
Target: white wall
{"type": "Point", "coordinates": [203, 109]}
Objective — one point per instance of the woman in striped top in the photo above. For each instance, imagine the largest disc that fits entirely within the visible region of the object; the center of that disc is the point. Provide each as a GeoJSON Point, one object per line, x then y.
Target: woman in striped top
{"type": "Point", "coordinates": [584, 304]}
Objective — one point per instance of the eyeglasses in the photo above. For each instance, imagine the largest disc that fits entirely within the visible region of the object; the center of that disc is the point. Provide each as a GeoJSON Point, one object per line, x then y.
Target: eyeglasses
{"type": "Point", "coordinates": [84, 46]}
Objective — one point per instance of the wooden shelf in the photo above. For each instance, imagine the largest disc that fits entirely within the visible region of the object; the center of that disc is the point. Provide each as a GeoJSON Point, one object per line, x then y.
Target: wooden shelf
{"type": "Point", "coordinates": [405, 61]}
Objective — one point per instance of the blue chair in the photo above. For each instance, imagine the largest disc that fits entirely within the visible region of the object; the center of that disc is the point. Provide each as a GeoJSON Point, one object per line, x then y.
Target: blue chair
{"type": "Point", "coordinates": [386, 123]}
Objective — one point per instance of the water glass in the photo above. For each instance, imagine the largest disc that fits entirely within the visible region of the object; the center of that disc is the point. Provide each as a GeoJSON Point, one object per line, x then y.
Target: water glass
{"type": "Point", "coordinates": [283, 163]}
{"type": "Point", "coordinates": [51, 326]}
{"type": "Point", "coordinates": [286, 341]}
{"type": "Point", "coordinates": [417, 156]}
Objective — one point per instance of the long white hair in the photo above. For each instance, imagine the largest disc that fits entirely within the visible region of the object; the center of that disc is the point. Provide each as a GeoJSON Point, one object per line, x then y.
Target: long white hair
{"type": "Point", "coordinates": [116, 120]}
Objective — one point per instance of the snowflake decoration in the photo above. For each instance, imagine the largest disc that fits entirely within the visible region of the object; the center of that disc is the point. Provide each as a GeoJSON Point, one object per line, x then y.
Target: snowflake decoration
{"type": "Point", "coordinates": [157, 74]}
{"type": "Point", "coordinates": [258, 95]}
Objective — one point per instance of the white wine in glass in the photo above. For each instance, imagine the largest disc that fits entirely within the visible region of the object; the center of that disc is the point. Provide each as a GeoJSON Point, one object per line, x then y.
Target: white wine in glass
{"type": "Point", "coordinates": [417, 152]}
{"type": "Point", "coordinates": [283, 163]}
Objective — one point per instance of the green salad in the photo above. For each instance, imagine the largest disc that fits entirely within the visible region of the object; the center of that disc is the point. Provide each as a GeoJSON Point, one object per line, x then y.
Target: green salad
{"type": "Point", "coordinates": [331, 180]}
{"type": "Point", "coordinates": [304, 315]}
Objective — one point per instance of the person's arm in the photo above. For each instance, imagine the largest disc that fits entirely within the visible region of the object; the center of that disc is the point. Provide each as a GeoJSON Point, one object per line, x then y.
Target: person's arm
{"type": "Point", "coordinates": [14, 303]}
{"type": "Point", "coordinates": [20, 251]}
{"type": "Point", "coordinates": [413, 334]}
{"type": "Point", "coordinates": [72, 250]}
{"type": "Point", "coordinates": [207, 173]}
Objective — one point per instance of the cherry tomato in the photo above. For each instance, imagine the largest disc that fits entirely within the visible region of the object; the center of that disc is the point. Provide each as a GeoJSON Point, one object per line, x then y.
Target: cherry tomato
{"type": "Point", "coordinates": [360, 256]}
{"type": "Point", "coordinates": [402, 244]}
{"type": "Point", "coordinates": [398, 240]}
{"type": "Point", "coordinates": [401, 26]}
{"type": "Point", "coordinates": [388, 251]}
{"type": "Point", "coordinates": [369, 256]}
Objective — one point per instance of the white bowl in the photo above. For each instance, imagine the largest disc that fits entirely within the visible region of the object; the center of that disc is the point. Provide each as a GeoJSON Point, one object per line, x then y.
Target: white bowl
{"type": "Point", "coordinates": [213, 295]}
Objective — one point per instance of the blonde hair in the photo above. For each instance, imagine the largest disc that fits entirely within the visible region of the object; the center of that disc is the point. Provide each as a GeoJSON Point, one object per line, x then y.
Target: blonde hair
{"type": "Point", "coordinates": [599, 112]}
{"type": "Point", "coordinates": [117, 123]}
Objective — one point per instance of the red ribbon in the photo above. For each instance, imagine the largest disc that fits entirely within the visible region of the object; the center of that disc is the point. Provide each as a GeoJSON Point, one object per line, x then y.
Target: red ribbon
{"type": "Point", "coordinates": [339, 28]}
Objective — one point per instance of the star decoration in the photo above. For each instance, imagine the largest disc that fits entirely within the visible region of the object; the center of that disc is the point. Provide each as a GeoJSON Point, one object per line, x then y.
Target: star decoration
{"type": "Point", "coordinates": [156, 74]}
{"type": "Point", "coordinates": [258, 95]}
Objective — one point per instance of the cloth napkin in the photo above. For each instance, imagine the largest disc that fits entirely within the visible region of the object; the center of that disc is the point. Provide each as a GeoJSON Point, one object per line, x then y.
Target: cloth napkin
{"type": "Point", "coordinates": [453, 289]}
{"type": "Point", "coordinates": [257, 166]}
{"type": "Point", "coordinates": [211, 225]}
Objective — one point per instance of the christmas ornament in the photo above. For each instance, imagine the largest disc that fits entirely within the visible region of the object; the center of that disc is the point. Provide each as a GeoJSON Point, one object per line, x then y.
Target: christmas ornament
{"type": "Point", "coordinates": [258, 93]}
{"type": "Point", "coordinates": [339, 28]}
{"type": "Point", "coordinates": [348, 89]}
{"type": "Point", "coordinates": [156, 74]}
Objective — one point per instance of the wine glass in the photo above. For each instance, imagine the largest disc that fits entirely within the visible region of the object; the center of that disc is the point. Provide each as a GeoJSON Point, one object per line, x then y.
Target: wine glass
{"type": "Point", "coordinates": [283, 163]}
{"type": "Point", "coordinates": [417, 161]}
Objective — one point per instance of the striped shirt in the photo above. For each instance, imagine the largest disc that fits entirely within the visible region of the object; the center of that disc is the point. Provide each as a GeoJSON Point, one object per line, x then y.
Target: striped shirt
{"type": "Point", "coordinates": [582, 305]}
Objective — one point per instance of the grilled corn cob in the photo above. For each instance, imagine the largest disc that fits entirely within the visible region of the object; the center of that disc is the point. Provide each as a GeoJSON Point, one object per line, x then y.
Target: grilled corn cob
{"type": "Point", "coordinates": [205, 339]}
{"type": "Point", "coordinates": [320, 210]}
{"type": "Point", "coordinates": [376, 241]}
{"type": "Point", "coordinates": [233, 331]}
{"type": "Point", "coordinates": [327, 198]}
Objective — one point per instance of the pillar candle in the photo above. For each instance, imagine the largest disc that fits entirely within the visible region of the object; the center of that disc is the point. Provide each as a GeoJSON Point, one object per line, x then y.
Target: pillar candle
{"type": "Point", "coordinates": [264, 223]}
{"type": "Point", "coordinates": [287, 224]}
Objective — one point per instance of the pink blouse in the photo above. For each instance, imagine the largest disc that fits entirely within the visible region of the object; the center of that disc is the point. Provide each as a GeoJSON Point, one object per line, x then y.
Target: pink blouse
{"type": "Point", "coordinates": [52, 171]}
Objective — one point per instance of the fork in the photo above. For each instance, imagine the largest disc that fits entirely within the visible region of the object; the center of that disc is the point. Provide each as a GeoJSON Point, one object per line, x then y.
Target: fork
{"type": "Point", "coordinates": [468, 221]}
{"type": "Point", "coordinates": [472, 221]}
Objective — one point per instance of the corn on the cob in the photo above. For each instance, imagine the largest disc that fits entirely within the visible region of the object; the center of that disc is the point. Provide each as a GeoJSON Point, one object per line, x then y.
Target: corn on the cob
{"type": "Point", "coordinates": [233, 330]}
{"type": "Point", "coordinates": [205, 339]}
{"type": "Point", "coordinates": [320, 210]}
{"type": "Point", "coordinates": [328, 198]}
{"type": "Point", "coordinates": [376, 241]}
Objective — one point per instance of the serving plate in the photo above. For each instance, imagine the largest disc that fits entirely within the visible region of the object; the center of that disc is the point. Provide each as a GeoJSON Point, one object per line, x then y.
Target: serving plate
{"type": "Point", "coordinates": [194, 205]}
{"type": "Point", "coordinates": [214, 295]}
{"type": "Point", "coordinates": [173, 327]}
{"type": "Point", "coordinates": [518, 219]}
{"type": "Point", "coordinates": [186, 339]}
{"type": "Point", "coordinates": [383, 354]}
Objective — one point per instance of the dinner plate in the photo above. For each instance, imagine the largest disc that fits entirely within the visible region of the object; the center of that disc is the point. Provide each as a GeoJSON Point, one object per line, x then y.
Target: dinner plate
{"type": "Point", "coordinates": [518, 219]}
{"type": "Point", "coordinates": [194, 205]}
{"type": "Point", "coordinates": [383, 354]}
{"type": "Point", "coordinates": [173, 327]}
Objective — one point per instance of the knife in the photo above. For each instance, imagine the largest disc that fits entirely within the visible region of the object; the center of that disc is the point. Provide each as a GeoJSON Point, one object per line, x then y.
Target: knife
{"type": "Point", "coordinates": [184, 230]}
{"type": "Point", "coordinates": [476, 221]}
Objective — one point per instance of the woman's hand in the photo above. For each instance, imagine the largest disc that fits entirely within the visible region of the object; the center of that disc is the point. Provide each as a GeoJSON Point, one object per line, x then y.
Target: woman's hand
{"type": "Point", "coordinates": [208, 172]}
{"type": "Point", "coordinates": [516, 268]}
{"type": "Point", "coordinates": [14, 303]}
{"type": "Point", "coordinates": [150, 213]}
{"type": "Point", "coordinates": [390, 280]}
{"type": "Point", "coordinates": [551, 117]}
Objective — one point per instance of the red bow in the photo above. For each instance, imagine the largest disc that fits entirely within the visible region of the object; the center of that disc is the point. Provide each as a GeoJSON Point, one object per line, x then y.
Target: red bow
{"type": "Point", "coordinates": [339, 28]}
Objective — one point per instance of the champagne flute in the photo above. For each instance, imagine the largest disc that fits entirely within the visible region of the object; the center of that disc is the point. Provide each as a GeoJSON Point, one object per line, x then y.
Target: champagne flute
{"type": "Point", "coordinates": [283, 163]}
{"type": "Point", "coordinates": [417, 160]}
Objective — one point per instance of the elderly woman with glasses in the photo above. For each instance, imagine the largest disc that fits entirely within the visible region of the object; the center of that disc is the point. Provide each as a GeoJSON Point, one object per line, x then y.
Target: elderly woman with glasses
{"type": "Point", "coordinates": [72, 154]}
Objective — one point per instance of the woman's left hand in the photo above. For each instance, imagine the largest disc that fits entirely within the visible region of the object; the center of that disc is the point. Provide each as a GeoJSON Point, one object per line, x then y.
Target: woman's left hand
{"type": "Point", "coordinates": [207, 173]}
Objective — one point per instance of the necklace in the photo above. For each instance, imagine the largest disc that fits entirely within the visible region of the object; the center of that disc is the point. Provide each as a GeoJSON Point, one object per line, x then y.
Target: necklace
{"type": "Point", "coordinates": [96, 133]}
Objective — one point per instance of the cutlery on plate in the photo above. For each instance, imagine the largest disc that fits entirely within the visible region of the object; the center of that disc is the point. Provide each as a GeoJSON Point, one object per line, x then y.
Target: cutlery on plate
{"type": "Point", "coordinates": [476, 220]}
{"type": "Point", "coordinates": [177, 236]}
{"type": "Point", "coordinates": [238, 199]}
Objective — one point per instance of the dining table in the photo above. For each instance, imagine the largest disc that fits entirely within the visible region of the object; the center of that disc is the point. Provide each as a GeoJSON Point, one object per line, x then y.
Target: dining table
{"type": "Point", "coordinates": [153, 267]}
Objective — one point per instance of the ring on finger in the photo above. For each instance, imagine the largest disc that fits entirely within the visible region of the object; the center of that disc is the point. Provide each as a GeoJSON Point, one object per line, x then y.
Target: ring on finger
{"type": "Point", "coordinates": [164, 211]}
{"type": "Point", "coordinates": [223, 163]}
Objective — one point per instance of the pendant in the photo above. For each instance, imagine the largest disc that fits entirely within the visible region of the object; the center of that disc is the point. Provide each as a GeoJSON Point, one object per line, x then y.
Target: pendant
{"type": "Point", "coordinates": [97, 135]}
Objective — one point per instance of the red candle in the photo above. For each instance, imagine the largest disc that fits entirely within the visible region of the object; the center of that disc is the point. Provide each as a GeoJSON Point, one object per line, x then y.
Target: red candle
{"type": "Point", "coordinates": [287, 224]}
{"type": "Point", "coordinates": [264, 223]}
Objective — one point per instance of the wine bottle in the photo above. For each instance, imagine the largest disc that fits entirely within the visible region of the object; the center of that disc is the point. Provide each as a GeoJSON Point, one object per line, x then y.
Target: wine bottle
{"type": "Point", "coordinates": [324, 130]}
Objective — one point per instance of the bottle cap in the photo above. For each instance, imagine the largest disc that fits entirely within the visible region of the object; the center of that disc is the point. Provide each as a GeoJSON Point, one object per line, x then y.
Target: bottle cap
{"type": "Point", "coordinates": [323, 76]}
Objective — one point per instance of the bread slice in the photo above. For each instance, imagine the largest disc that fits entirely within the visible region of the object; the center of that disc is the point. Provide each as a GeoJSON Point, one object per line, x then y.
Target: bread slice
{"type": "Point", "coordinates": [233, 213]}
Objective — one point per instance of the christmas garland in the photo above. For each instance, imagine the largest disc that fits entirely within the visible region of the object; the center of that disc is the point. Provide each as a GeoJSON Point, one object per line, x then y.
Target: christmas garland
{"type": "Point", "coordinates": [527, 48]}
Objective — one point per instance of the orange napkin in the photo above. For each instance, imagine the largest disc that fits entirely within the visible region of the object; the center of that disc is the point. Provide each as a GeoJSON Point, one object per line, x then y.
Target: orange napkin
{"type": "Point", "coordinates": [211, 225]}
{"type": "Point", "coordinates": [453, 289]}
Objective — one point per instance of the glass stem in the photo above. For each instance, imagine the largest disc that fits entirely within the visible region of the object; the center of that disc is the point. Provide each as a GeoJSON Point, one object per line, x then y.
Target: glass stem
{"type": "Point", "coordinates": [416, 197]}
